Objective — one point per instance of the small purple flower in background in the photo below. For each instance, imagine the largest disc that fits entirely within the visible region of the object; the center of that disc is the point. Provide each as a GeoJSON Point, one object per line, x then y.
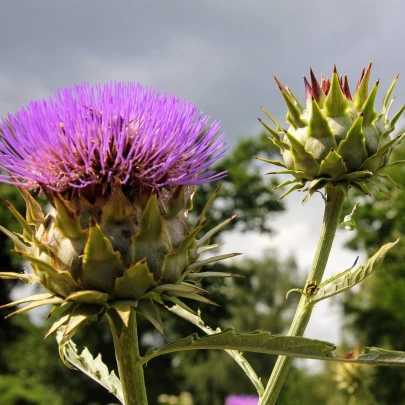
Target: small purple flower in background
{"type": "Point", "coordinates": [242, 400]}
{"type": "Point", "coordinates": [91, 135]}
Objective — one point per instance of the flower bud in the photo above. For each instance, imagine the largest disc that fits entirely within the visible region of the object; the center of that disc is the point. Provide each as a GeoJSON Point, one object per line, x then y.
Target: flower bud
{"type": "Point", "coordinates": [337, 138]}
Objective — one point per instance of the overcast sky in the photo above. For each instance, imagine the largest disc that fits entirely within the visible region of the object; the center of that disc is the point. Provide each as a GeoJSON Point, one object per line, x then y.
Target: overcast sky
{"type": "Point", "coordinates": [220, 54]}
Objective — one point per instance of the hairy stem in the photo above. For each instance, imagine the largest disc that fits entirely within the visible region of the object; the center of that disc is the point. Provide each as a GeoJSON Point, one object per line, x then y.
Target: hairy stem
{"type": "Point", "coordinates": [335, 198]}
{"type": "Point", "coordinates": [127, 355]}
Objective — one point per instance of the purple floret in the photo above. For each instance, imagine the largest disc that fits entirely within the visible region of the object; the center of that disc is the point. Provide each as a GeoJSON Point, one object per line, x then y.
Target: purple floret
{"type": "Point", "coordinates": [242, 400]}
{"type": "Point", "coordinates": [90, 135]}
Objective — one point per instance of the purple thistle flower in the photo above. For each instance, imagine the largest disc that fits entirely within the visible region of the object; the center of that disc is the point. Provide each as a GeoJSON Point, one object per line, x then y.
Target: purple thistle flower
{"type": "Point", "coordinates": [242, 400]}
{"type": "Point", "coordinates": [89, 135]}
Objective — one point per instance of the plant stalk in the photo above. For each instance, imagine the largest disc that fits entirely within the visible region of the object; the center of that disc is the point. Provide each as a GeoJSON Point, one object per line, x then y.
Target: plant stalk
{"type": "Point", "coordinates": [127, 354]}
{"type": "Point", "coordinates": [335, 198]}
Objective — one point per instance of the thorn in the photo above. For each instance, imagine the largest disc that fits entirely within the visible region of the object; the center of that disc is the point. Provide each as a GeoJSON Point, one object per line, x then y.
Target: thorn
{"type": "Point", "coordinates": [316, 88]}
{"type": "Point", "coordinates": [397, 77]}
{"type": "Point", "coordinates": [360, 79]}
{"type": "Point", "coordinates": [377, 82]}
{"type": "Point", "coordinates": [281, 87]}
{"type": "Point", "coordinates": [346, 89]}
{"type": "Point", "coordinates": [308, 89]}
{"type": "Point", "coordinates": [334, 69]}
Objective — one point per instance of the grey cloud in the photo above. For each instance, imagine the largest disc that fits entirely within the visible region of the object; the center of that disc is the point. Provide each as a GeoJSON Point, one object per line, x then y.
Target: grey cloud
{"type": "Point", "coordinates": [220, 54]}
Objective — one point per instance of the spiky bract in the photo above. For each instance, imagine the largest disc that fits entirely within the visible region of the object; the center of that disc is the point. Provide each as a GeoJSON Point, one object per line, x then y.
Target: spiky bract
{"type": "Point", "coordinates": [338, 138]}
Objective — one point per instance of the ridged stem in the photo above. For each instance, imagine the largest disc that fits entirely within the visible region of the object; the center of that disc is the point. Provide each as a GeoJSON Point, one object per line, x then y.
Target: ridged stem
{"type": "Point", "coordinates": [335, 198]}
{"type": "Point", "coordinates": [127, 354]}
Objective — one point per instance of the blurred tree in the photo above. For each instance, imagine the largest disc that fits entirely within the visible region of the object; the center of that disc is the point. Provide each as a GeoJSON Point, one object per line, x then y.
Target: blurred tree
{"type": "Point", "coordinates": [8, 262]}
{"type": "Point", "coordinates": [377, 311]}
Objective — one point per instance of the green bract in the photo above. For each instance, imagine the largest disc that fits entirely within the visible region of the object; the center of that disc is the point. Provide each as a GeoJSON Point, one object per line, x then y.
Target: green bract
{"type": "Point", "coordinates": [338, 138]}
{"type": "Point", "coordinates": [109, 251]}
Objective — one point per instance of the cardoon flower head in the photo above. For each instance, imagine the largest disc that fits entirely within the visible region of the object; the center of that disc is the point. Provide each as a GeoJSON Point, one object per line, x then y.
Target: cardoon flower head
{"type": "Point", "coordinates": [242, 400]}
{"type": "Point", "coordinates": [337, 138]}
{"type": "Point", "coordinates": [118, 164]}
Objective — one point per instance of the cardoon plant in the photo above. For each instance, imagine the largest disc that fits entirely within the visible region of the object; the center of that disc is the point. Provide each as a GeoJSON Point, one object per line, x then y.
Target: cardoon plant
{"type": "Point", "coordinates": [119, 165]}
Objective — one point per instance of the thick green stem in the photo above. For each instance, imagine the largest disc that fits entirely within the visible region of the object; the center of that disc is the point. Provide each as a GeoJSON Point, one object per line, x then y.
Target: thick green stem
{"type": "Point", "coordinates": [335, 198]}
{"type": "Point", "coordinates": [127, 354]}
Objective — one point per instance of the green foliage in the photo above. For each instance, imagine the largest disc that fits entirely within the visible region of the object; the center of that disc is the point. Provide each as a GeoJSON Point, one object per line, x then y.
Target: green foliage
{"type": "Point", "coordinates": [8, 262]}
{"type": "Point", "coordinates": [17, 391]}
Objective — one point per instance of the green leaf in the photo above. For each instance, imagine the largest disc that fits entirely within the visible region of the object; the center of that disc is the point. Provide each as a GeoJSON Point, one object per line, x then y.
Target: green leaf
{"type": "Point", "coordinates": [117, 208]}
{"type": "Point", "coordinates": [291, 346]}
{"type": "Point", "coordinates": [320, 137]}
{"type": "Point", "coordinates": [66, 221]}
{"type": "Point", "coordinates": [93, 367]}
{"type": "Point", "coordinates": [206, 238]}
{"type": "Point", "coordinates": [303, 160]}
{"type": "Point", "coordinates": [332, 166]}
{"type": "Point", "coordinates": [89, 297]}
{"type": "Point", "coordinates": [348, 279]}
{"type": "Point", "coordinates": [135, 282]}
{"type": "Point", "coordinates": [382, 357]}
{"type": "Point", "coordinates": [377, 161]}
{"type": "Point", "coordinates": [80, 316]}
{"type": "Point", "coordinates": [19, 245]}
{"type": "Point", "coordinates": [34, 214]}
{"type": "Point", "coordinates": [196, 266]}
{"type": "Point", "coordinates": [149, 310]}
{"type": "Point", "coordinates": [28, 231]}
{"type": "Point", "coordinates": [336, 102]}
{"type": "Point", "coordinates": [258, 342]}
{"type": "Point", "coordinates": [101, 264]}
{"type": "Point", "coordinates": [26, 278]}
{"type": "Point", "coordinates": [294, 113]}
{"type": "Point", "coordinates": [353, 147]}
{"type": "Point", "coordinates": [361, 93]}
{"type": "Point", "coordinates": [35, 304]}
{"type": "Point", "coordinates": [369, 113]}
{"type": "Point", "coordinates": [195, 277]}
{"type": "Point", "coordinates": [32, 298]}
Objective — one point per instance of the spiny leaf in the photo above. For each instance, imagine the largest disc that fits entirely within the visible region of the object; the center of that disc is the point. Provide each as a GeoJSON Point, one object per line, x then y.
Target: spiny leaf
{"type": "Point", "coordinates": [19, 245]}
{"type": "Point", "coordinates": [291, 346]}
{"type": "Point", "coordinates": [195, 267]}
{"type": "Point", "coordinates": [93, 367]}
{"type": "Point", "coordinates": [34, 214]}
{"type": "Point", "coordinates": [353, 147]}
{"type": "Point", "coordinates": [336, 102]}
{"type": "Point", "coordinates": [89, 297]}
{"type": "Point", "coordinates": [26, 278]}
{"type": "Point", "coordinates": [206, 238]}
{"type": "Point", "coordinates": [332, 166]}
{"type": "Point", "coordinates": [349, 279]}
{"type": "Point", "coordinates": [101, 264]}
{"type": "Point", "coordinates": [258, 342]}
{"type": "Point", "coordinates": [135, 282]}
{"type": "Point", "coordinates": [28, 231]}
{"type": "Point", "coordinates": [149, 310]}
{"type": "Point", "coordinates": [195, 277]}
{"type": "Point", "coordinates": [32, 298]}
{"type": "Point", "coordinates": [82, 314]}
{"type": "Point", "coordinates": [35, 304]}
